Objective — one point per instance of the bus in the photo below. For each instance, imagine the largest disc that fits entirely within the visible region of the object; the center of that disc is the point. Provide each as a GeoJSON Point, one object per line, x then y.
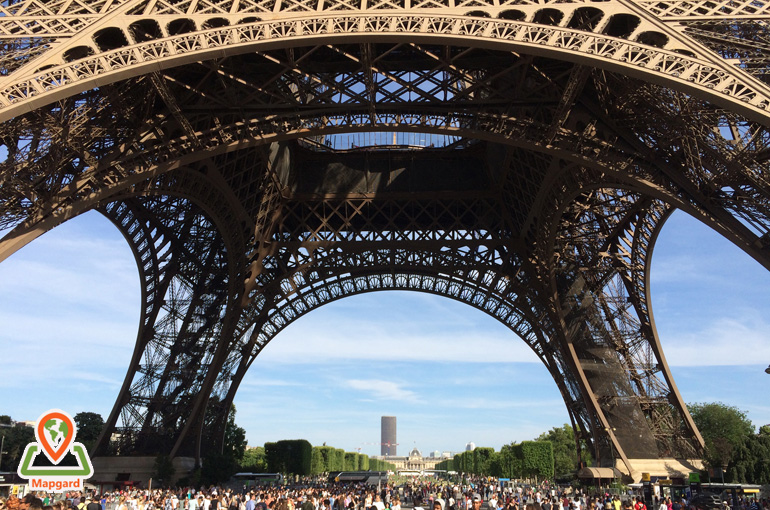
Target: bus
{"type": "Point", "coordinates": [250, 480]}
{"type": "Point", "coordinates": [367, 477]}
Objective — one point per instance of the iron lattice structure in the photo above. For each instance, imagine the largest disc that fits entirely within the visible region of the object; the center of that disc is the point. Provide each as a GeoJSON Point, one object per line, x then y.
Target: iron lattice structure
{"type": "Point", "coordinates": [265, 157]}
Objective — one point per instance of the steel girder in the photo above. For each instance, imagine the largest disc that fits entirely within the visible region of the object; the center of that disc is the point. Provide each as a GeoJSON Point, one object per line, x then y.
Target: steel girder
{"type": "Point", "coordinates": [212, 134]}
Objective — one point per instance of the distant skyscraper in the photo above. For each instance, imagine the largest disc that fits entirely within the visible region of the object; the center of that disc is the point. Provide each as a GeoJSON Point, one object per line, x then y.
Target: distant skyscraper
{"type": "Point", "coordinates": [388, 436]}
{"type": "Point", "coordinates": [470, 446]}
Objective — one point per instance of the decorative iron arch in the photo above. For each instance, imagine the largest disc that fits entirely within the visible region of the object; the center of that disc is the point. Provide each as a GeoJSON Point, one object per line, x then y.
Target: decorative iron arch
{"type": "Point", "coordinates": [59, 79]}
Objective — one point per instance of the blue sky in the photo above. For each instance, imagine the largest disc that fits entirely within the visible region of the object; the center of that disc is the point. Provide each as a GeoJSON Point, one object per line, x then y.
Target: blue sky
{"type": "Point", "coordinates": [69, 311]}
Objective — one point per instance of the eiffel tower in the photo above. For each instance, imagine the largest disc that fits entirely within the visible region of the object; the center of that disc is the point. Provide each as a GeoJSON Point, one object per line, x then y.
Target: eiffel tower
{"type": "Point", "coordinates": [265, 157]}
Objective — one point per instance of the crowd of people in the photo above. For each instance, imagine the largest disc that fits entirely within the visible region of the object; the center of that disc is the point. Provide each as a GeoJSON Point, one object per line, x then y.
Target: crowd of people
{"type": "Point", "coordinates": [474, 494]}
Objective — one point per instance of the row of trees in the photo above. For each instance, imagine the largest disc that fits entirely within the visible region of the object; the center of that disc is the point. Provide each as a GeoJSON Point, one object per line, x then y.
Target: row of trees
{"type": "Point", "coordinates": [734, 450]}
{"type": "Point", "coordinates": [731, 443]}
{"type": "Point", "coordinates": [530, 458]}
{"type": "Point", "coordinates": [323, 459]}
{"type": "Point", "coordinates": [299, 457]}
{"type": "Point", "coordinates": [524, 460]}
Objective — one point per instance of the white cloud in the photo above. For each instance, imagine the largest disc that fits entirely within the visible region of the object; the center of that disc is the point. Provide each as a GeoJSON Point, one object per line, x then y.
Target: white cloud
{"type": "Point", "coordinates": [724, 341]}
{"type": "Point", "coordinates": [83, 374]}
{"type": "Point", "coordinates": [383, 390]}
{"type": "Point", "coordinates": [258, 383]}
{"type": "Point", "coordinates": [504, 403]}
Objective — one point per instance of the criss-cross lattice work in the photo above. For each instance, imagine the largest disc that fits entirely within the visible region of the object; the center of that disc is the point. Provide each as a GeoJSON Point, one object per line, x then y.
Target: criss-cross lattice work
{"type": "Point", "coordinates": [265, 157]}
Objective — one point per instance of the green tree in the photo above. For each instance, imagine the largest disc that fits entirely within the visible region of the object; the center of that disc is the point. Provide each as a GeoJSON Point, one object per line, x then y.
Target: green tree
{"type": "Point", "coordinates": [759, 445]}
{"type": "Point", "coordinates": [327, 459]}
{"type": "Point", "coordinates": [163, 470]}
{"type": "Point", "coordinates": [289, 456]}
{"type": "Point", "coordinates": [217, 468]}
{"type": "Point", "coordinates": [316, 461]}
{"type": "Point", "coordinates": [254, 461]}
{"type": "Point", "coordinates": [725, 431]}
{"type": "Point", "coordinates": [464, 462]}
{"type": "Point", "coordinates": [16, 440]}
{"type": "Point", "coordinates": [235, 438]}
{"type": "Point", "coordinates": [482, 460]}
{"type": "Point", "coordinates": [339, 459]}
{"type": "Point", "coordinates": [564, 448]}
{"type": "Point", "coordinates": [496, 464]}
{"type": "Point", "coordinates": [5, 419]}
{"type": "Point", "coordinates": [89, 426]}
{"type": "Point", "coordinates": [537, 458]}
{"type": "Point", "coordinates": [509, 461]}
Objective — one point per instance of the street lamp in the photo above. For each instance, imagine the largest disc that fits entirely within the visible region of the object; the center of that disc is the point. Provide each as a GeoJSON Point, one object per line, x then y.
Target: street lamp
{"type": "Point", "coordinates": [767, 370]}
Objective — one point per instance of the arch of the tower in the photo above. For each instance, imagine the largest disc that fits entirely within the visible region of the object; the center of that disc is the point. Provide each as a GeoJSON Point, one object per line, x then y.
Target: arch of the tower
{"type": "Point", "coordinates": [623, 41]}
{"type": "Point", "coordinates": [227, 151]}
{"type": "Point", "coordinates": [319, 248]}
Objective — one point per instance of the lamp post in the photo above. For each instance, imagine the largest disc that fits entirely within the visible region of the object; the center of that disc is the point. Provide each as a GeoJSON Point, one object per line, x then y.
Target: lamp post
{"type": "Point", "coordinates": [767, 370]}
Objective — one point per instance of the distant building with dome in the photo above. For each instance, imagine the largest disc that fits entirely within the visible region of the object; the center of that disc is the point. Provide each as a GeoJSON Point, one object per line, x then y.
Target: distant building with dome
{"type": "Point", "coordinates": [415, 461]}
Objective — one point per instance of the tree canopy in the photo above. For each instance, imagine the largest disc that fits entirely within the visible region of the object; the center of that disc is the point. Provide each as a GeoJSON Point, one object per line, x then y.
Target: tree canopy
{"type": "Point", "coordinates": [732, 444]}
{"type": "Point", "coordinates": [564, 448]}
{"type": "Point", "coordinates": [16, 439]}
{"type": "Point", "coordinates": [89, 426]}
{"type": "Point", "coordinates": [724, 429]}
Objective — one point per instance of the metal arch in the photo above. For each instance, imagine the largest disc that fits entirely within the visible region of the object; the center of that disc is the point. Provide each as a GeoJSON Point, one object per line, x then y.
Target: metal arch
{"type": "Point", "coordinates": [101, 182]}
{"type": "Point", "coordinates": [708, 77]}
{"type": "Point", "coordinates": [190, 291]}
{"type": "Point", "coordinates": [611, 342]}
{"type": "Point", "coordinates": [637, 282]}
{"type": "Point", "coordinates": [150, 252]}
{"type": "Point", "coordinates": [313, 272]}
{"type": "Point", "coordinates": [720, 179]}
{"type": "Point", "coordinates": [332, 280]}
{"type": "Point", "coordinates": [63, 19]}
{"type": "Point", "coordinates": [156, 400]}
{"type": "Point", "coordinates": [134, 162]}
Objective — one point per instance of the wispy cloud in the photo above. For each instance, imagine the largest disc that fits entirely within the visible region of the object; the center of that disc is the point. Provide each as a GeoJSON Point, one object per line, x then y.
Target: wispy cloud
{"type": "Point", "coordinates": [259, 383]}
{"type": "Point", "coordinates": [723, 341]}
{"type": "Point", "coordinates": [482, 403]}
{"type": "Point", "coordinates": [383, 390]}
